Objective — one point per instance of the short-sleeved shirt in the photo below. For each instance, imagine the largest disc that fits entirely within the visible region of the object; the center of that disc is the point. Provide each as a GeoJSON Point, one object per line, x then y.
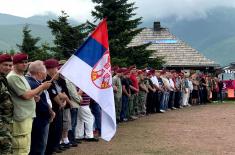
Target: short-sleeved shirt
{"type": "Point", "coordinates": [203, 83]}
{"type": "Point", "coordinates": [125, 82]}
{"type": "Point", "coordinates": [53, 91]}
{"type": "Point", "coordinates": [186, 83]}
{"type": "Point", "coordinates": [23, 109]}
{"type": "Point", "coordinates": [134, 81]}
{"type": "Point", "coordinates": [118, 84]}
{"type": "Point", "coordinates": [143, 85]}
{"type": "Point", "coordinates": [172, 84]}
{"type": "Point", "coordinates": [154, 80]}
{"type": "Point", "coordinates": [86, 100]}
{"type": "Point", "coordinates": [75, 98]}
{"type": "Point", "coordinates": [160, 82]}
{"type": "Point", "coordinates": [166, 83]}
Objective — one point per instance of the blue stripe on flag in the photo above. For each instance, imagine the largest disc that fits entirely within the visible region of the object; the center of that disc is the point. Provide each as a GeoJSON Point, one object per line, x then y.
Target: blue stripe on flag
{"type": "Point", "coordinates": [90, 52]}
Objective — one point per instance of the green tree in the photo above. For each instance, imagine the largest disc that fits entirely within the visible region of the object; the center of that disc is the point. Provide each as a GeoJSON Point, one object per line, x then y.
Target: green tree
{"type": "Point", "coordinates": [122, 28]}
{"type": "Point", "coordinates": [29, 43]}
{"type": "Point", "coordinates": [44, 52]}
{"type": "Point", "coordinates": [67, 37]}
{"type": "Point", "coordinates": [12, 52]}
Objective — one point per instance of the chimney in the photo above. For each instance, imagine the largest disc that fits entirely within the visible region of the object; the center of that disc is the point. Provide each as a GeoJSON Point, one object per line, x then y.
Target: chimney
{"type": "Point", "coordinates": [156, 26]}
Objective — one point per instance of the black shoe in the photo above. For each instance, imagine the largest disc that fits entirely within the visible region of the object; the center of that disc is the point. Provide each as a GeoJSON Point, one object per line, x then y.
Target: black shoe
{"type": "Point", "coordinates": [78, 141]}
{"type": "Point", "coordinates": [92, 139]}
{"type": "Point", "coordinates": [66, 146]}
{"type": "Point", "coordinates": [62, 148]}
{"type": "Point", "coordinates": [57, 150]}
{"type": "Point", "coordinates": [73, 144]}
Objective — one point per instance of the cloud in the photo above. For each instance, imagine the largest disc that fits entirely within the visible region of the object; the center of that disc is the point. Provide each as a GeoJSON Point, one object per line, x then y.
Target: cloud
{"type": "Point", "coordinates": [181, 9]}
{"type": "Point", "coordinates": [80, 10]}
{"type": "Point", "coordinates": [77, 9]}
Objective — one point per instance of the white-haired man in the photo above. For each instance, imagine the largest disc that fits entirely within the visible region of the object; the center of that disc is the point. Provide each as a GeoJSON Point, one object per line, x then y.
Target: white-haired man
{"type": "Point", "coordinates": [36, 74]}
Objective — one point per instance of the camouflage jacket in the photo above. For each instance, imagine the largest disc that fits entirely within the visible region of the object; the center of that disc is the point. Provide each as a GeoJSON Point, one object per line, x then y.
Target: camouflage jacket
{"type": "Point", "coordinates": [6, 105]}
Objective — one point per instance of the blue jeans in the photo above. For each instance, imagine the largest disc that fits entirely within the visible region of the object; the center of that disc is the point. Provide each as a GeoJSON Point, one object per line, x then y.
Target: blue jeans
{"type": "Point", "coordinates": [39, 136]}
{"type": "Point", "coordinates": [160, 100]}
{"type": "Point", "coordinates": [74, 113]}
{"type": "Point", "coordinates": [221, 96]}
{"type": "Point", "coordinates": [124, 107]}
{"type": "Point", "coordinates": [96, 111]}
{"type": "Point", "coordinates": [164, 100]}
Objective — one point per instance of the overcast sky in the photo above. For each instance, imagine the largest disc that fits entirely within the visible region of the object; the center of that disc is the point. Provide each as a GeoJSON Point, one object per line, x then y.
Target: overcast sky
{"type": "Point", "coordinates": [80, 9]}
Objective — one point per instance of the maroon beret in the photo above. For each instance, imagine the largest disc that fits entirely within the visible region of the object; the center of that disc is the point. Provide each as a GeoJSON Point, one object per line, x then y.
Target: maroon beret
{"type": "Point", "coordinates": [152, 71]}
{"type": "Point", "coordinates": [140, 72]}
{"type": "Point", "coordinates": [51, 63]}
{"type": "Point", "coordinates": [126, 72]}
{"type": "Point", "coordinates": [132, 67]}
{"type": "Point", "coordinates": [19, 57]}
{"type": "Point", "coordinates": [163, 72]}
{"type": "Point", "coordinates": [120, 70]}
{"type": "Point", "coordinates": [114, 68]}
{"type": "Point", "coordinates": [149, 73]}
{"type": "Point", "coordinates": [5, 57]}
{"type": "Point", "coordinates": [181, 74]}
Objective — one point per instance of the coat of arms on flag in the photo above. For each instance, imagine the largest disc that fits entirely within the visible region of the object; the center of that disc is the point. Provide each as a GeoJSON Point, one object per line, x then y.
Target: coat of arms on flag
{"type": "Point", "coordinates": [101, 74]}
{"type": "Point", "coordinates": [89, 68]}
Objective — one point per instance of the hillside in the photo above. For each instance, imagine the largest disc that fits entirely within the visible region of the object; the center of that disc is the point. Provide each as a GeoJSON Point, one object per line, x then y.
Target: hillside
{"type": "Point", "coordinates": [10, 35]}
{"type": "Point", "coordinates": [213, 36]}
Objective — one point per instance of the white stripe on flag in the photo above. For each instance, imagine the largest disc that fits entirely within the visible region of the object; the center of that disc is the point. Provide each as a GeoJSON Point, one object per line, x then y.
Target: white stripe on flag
{"type": "Point", "coordinates": [79, 72]}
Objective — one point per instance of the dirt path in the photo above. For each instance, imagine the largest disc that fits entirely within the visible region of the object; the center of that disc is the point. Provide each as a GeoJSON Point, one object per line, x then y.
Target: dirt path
{"type": "Point", "coordinates": [198, 130]}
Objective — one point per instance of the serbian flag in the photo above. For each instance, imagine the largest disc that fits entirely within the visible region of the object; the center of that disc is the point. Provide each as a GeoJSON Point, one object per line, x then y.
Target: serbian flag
{"type": "Point", "coordinates": [90, 69]}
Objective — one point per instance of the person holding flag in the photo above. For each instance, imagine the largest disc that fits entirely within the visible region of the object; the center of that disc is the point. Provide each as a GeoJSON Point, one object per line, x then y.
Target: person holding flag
{"type": "Point", "coordinates": [89, 69]}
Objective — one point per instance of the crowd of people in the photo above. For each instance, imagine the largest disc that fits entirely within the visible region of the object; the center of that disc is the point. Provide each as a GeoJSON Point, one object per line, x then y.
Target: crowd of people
{"type": "Point", "coordinates": [42, 112]}
{"type": "Point", "coordinates": [142, 92]}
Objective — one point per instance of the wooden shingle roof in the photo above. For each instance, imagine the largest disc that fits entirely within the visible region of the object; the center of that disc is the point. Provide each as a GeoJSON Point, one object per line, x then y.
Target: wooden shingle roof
{"type": "Point", "coordinates": [176, 52]}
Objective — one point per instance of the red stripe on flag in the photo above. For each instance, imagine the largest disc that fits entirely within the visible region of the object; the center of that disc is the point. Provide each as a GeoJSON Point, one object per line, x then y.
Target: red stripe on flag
{"type": "Point", "coordinates": [101, 34]}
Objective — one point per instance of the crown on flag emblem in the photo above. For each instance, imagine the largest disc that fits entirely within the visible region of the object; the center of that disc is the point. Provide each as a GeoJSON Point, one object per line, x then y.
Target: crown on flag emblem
{"type": "Point", "coordinates": [101, 73]}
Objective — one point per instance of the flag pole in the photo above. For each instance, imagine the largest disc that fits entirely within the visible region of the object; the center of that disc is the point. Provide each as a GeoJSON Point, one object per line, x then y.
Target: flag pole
{"type": "Point", "coordinates": [52, 79]}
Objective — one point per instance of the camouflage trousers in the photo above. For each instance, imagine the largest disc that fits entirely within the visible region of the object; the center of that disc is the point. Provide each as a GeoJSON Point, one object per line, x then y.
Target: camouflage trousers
{"type": "Point", "coordinates": [5, 139]}
{"type": "Point", "coordinates": [133, 105]}
{"type": "Point", "coordinates": [142, 98]}
{"type": "Point", "coordinates": [118, 105]}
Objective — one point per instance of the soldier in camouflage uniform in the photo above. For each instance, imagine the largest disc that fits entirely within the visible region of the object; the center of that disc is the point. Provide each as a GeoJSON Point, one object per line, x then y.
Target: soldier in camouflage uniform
{"type": "Point", "coordinates": [118, 93]}
{"type": "Point", "coordinates": [6, 107]}
{"type": "Point", "coordinates": [143, 90]}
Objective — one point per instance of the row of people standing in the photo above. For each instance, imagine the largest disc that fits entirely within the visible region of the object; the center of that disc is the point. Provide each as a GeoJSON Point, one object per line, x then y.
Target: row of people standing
{"type": "Point", "coordinates": [141, 92]}
{"type": "Point", "coordinates": [41, 111]}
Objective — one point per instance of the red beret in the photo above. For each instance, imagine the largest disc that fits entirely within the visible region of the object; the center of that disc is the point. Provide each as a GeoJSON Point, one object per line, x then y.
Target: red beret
{"type": "Point", "coordinates": [181, 74]}
{"type": "Point", "coordinates": [149, 73]}
{"type": "Point", "coordinates": [19, 57]}
{"type": "Point", "coordinates": [126, 72]}
{"type": "Point", "coordinates": [114, 68]}
{"type": "Point", "coordinates": [173, 71]}
{"type": "Point", "coordinates": [163, 72]}
{"type": "Point", "coordinates": [5, 57]}
{"type": "Point", "coordinates": [132, 67]}
{"type": "Point", "coordinates": [120, 70]}
{"type": "Point", "coordinates": [51, 63]}
{"type": "Point", "coordinates": [152, 71]}
{"type": "Point", "coordinates": [140, 72]}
